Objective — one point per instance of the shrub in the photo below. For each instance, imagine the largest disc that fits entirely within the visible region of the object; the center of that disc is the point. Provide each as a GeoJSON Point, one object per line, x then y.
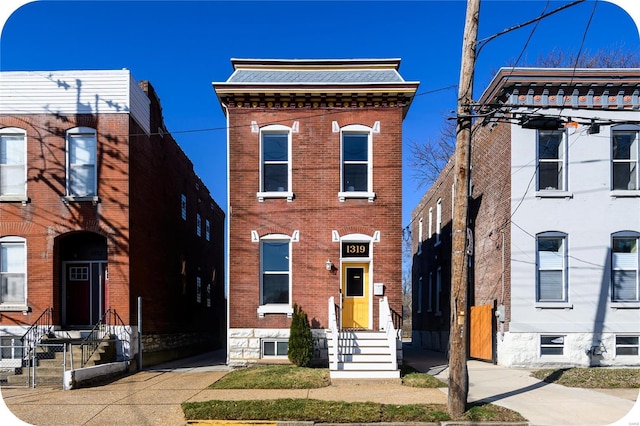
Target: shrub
{"type": "Point", "coordinates": [300, 339]}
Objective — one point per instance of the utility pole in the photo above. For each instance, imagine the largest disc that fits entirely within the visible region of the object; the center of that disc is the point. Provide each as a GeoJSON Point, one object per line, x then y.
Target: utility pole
{"type": "Point", "coordinates": [458, 374]}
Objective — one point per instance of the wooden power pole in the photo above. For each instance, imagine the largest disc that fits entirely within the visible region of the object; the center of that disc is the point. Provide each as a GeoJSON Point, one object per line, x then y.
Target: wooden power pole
{"type": "Point", "coordinates": [458, 374]}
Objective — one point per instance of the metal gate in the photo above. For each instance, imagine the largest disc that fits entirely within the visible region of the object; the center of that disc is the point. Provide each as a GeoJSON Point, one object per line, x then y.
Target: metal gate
{"type": "Point", "coordinates": [44, 365]}
{"type": "Point", "coordinates": [481, 332]}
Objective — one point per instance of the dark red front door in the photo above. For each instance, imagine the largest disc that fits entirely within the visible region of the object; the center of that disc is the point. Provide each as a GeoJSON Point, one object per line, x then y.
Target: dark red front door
{"type": "Point", "coordinates": [78, 306]}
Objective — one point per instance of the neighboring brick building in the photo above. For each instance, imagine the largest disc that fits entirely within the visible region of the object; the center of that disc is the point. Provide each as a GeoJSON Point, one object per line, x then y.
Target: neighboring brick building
{"type": "Point", "coordinates": [554, 215]}
{"type": "Point", "coordinates": [99, 206]}
{"type": "Point", "coordinates": [315, 197]}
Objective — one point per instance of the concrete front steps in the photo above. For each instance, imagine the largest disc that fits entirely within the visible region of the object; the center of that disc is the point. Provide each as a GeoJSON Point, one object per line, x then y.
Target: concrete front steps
{"type": "Point", "coordinates": [363, 355]}
{"type": "Point", "coordinates": [50, 359]}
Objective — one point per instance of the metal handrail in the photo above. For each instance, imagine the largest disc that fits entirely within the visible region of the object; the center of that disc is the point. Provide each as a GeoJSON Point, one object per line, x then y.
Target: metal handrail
{"type": "Point", "coordinates": [41, 327]}
{"type": "Point", "coordinates": [106, 326]}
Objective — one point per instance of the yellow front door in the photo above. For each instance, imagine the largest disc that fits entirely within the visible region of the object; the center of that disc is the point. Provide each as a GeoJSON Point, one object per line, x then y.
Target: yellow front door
{"type": "Point", "coordinates": [355, 295]}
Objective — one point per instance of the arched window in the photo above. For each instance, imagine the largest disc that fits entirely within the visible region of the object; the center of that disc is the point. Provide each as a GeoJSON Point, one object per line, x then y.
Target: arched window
{"type": "Point", "coordinates": [551, 263]}
{"type": "Point", "coordinates": [624, 267]}
{"type": "Point", "coordinates": [275, 162]}
{"type": "Point", "coordinates": [356, 156]}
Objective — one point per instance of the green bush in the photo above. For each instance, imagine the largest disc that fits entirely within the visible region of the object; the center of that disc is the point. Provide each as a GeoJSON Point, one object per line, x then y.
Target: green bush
{"type": "Point", "coordinates": [300, 339]}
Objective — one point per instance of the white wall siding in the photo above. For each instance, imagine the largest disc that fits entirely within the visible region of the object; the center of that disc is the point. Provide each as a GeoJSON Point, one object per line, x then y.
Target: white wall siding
{"type": "Point", "coordinates": [71, 92]}
{"type": "Point", "coordinates": [588, 215]}
{"type": "Point", "coordinates": [140, 105]}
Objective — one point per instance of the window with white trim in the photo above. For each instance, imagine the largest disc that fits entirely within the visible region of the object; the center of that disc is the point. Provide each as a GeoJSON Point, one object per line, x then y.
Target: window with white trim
{"type": "Point", "coordinates": [13, 170]}
{"type": "Point", "coordinates": [551, 160]}
{"type": "Point", "coordinates": [438, 220]}
{"type": "Point", "coordinates": [624, 267]}
{"type": "Point", "coordinates": [275, 162]}
{"type": "Point", "coordinates": [551, 267]}
{"type": "Point", "coordinates": [356, 156]}
{"type": "Point", "coordinates": [275, 348]}
{"type": "Point", "coordinates": [13, 271]}
{"type": "Point", "coordinates": [624, 158]}
{"type": "Point", "coordinates": [551, 345]}
{"type": "Point", "coordinates": [81, 162]}
{"type": "Point", "coordinates": [275, 277]}
{"type": "Point", "coordinates": [420, 236]}
{"type": "Point", "coordinates": [627, 345]}
{"type": "Point", "coordinates": [430, 222]}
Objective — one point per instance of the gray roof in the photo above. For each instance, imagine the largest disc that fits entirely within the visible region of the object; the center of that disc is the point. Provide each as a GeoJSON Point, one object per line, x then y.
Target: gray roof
{"type": "Point", "coordinates": [344, 76]}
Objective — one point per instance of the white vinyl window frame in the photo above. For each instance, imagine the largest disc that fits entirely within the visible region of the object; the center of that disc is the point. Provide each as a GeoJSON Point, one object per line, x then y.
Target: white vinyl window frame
{"type": "Point", "coordinates": [625, 157]}
{"type": "Point", "coordinates": [551, 163]}
{"type": "Point", "coordinates": [13, 273]}
{"type": "Point", "coordinates": [625, 269]}
{"type": "Point", "coordinates": [265, 191]}
{"type": "Point", "coordinates": [420, 236]}
{"type": "Point", "coordinates": [350, 191]}
{"type": "Point", "coordinates": [81, 164]}
{"type": "Point", "coordinates": [13, 164]}
{"type": "Point", "coordinates": [274, 267]}
{"type": "Point", "coordinates": [438, 220]}
{"type": "Point", "coordinates": [274, 348]}
{"type": "Point", "coordinates": [551, 270]}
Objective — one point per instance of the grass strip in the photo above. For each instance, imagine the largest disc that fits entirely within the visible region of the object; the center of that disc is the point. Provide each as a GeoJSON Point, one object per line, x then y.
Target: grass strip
{"type": "Point", "coordinates": [318, 411]}
{"type": "Point", "coordinates": [590, 378]}
{"type": "Point", "coordinates": [274, 377]}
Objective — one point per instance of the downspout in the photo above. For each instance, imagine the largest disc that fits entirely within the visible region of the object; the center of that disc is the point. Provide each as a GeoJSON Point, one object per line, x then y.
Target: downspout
{"type": "Point", "coordinates": [226, 243]}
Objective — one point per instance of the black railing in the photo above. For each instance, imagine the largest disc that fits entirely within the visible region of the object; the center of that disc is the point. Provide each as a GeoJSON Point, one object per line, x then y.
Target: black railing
{"type": "Point", "coordinates": [397, 320]}
{"type": "Point", "coordinates": [105, 330]}
{"type": "Point", "coordinates": [41, 327]}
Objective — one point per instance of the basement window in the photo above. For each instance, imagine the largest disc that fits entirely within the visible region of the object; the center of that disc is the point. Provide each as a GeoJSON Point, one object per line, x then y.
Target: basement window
{"type": "Point", "coordinates": [275, 348]}
{"type": "Point", "coordinates": [551, 345]}
{"type": "Point", "coordinates": [627, 345]}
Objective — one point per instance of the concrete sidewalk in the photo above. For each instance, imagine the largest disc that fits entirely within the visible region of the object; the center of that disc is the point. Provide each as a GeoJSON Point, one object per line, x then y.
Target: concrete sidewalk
{"type": "Point", "coordinates": [153, 396]}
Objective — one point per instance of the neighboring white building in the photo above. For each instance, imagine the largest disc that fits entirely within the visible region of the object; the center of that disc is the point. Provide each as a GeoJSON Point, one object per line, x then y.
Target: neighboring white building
{"type": "Point", "coordinates": [568, 294]}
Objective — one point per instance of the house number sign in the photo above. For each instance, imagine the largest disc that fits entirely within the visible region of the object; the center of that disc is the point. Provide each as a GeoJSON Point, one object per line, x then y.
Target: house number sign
{"type": "Point", "coordinates": [355, 249]}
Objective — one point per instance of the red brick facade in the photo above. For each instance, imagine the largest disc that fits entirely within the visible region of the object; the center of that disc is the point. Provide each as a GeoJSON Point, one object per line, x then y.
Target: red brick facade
{"type": "Point", "coordinates": [151, 252]}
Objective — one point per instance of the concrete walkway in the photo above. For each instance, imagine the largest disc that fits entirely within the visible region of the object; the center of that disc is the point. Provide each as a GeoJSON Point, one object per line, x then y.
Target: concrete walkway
{"type": "Point", "coordinates": [153, 396]}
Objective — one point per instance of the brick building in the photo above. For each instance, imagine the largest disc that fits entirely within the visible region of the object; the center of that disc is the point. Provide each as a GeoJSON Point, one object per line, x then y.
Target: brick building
{"type": "Point", "coordinates": [315, 158]}
{"type": "Point", "coordinates": [554, 219]}
{"type": "Point", "coordinates": [99, 206]}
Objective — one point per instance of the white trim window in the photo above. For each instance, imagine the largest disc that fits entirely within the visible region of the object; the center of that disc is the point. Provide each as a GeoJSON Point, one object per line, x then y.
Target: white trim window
{"type": "Point", "coordinates": [13, 271]}
{"type": "Point", "coordinates": [420, 236]}
{"type": "Point", "coordinates": [275, 274]}
{"type": "Point", "coordinates": [627, 345]}
{"type": "Point", "coordinates": [624, 158]}
{"type": "Point", "coordinates": [13, 170]}
{"type": "Point", "coordinates": [356, 162]}
{"type": "Point", "coordinates": [438, 220]}
{"type": "Point", "coordinates": [624, 267]}
{"type": "Point", "coordinates": [81, 162]}
{"type": "Point", "coordinates": [430, 222]}
{"type": "Point", "coordinates": [275, 162]}
{"type": "Point", "coordinates": [551, 160]}
{"type": "Point", "coordinates": [551, 261]}
{"type": "Point", "coordinates": [275, 348]}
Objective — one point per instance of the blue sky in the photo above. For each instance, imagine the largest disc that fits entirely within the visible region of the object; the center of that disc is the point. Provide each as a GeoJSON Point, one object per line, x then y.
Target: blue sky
{"type": "Point", "coordinates": [182, 47]}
